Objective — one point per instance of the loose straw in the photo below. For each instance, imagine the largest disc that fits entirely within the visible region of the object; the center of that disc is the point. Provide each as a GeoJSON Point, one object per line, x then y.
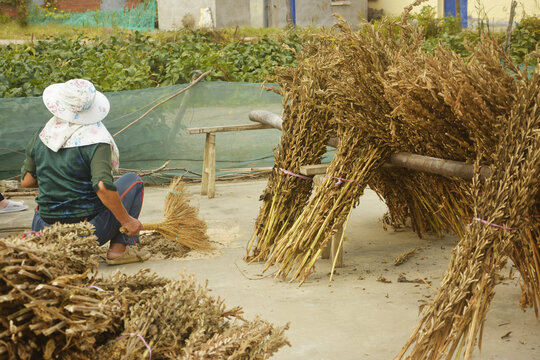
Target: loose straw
{"type": "Point", "coordinates": [142, 339]}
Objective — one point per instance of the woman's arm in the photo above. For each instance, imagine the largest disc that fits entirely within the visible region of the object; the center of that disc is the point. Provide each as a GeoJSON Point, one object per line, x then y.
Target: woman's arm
{"type": "Point", "coordinates": [29, 181]}
{"type": "Point", "coordinates": [111, 200]}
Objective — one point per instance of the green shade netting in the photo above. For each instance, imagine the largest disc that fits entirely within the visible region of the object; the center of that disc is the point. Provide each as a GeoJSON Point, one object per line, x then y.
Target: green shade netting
{"type": "Point", "coordinates": [161, 135]}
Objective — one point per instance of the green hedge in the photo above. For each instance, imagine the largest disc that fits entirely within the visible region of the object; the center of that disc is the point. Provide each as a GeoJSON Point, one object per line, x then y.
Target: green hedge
{"type": "Point", "coordinates": [137, 62]}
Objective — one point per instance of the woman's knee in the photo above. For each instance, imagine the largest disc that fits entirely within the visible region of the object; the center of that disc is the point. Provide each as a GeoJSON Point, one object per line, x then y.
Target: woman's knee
{"type": "Point", "coordinates": [38, 223]}
{"type": "Point", "coordinates": [128, 178]}
{"type": "Point", "coordinates": [129, 182]}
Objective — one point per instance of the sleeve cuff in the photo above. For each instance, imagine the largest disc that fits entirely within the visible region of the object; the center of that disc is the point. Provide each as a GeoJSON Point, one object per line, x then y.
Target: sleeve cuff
{"type": "Point", "coordinates": [108, 186]}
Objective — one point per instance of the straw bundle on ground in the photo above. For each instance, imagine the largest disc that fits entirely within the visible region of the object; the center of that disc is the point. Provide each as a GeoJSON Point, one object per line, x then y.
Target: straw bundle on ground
{"type": "Point", "coordinates": [53, 306]}
{"type": "Point", "coordinates": [181, 222]}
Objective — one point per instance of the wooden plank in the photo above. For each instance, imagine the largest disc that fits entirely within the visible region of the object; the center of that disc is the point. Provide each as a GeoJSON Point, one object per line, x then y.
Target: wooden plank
{"type": "Point", "coordinates": [405, 160]}
{"type": "Point", "coordinates": [329, 252]}
{"type": "Point", "coordinates": [318, 180]}
{"type": "Point", "coordinates": [437, 166]}
{"type": "Point", "coordinates": [204, 181]}
{"type": "Point", "coordinates": [267, 118]}
{"type": "Point", "coordinates": [249, 169]}
{"type": "Point", "coordinates": [317, 169]}
{"type": "Point", "coordinates": [211, 169]}
{"type": "Point", "coordinates": [226, 128]}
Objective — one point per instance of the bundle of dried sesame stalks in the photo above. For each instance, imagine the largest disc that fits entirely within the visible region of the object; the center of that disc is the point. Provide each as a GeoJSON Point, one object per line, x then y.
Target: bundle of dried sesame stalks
{"type": "Point", "coordinates": [306, 128]}
{"type": "Point", "coordinates": [386, 95]}
{"type": "Point", "coordinates": [504, 224]}
{"type": "Point", "coordinates": [47, 307]}
{"type": "Point", "coordinates": [177, 319]}
{"type": "Point", "coordinates": [52, 305]}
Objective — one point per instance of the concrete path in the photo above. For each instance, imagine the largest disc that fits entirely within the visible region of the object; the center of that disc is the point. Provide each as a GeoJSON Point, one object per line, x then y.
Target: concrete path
{"type": "Point", "coordinates": [355, 317]}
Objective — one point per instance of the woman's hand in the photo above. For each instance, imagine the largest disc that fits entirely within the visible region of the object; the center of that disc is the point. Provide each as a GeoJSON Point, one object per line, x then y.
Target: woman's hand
{"type": "Point", "coordinates": [132, 226]}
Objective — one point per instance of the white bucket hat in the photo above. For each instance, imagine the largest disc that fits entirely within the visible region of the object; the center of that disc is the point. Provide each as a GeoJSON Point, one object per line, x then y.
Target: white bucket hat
{"type": "Point", "coordinates": [78, 110]}
{"type": "Point", "coordinates": [76, 101]}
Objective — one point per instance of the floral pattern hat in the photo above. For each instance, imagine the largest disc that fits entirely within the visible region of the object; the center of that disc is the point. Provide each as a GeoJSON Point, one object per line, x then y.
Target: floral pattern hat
{"type": "Point", "coordinates": [78, 110]}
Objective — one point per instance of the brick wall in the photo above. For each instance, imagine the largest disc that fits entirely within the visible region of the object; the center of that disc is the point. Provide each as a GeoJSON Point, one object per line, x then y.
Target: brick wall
{"type": "Point", "coordinates": [9, 10]}
{"type": "Point", "coordinates": [88, 5]}
{"type": "Point", "coordinates": [132, 3]}
{"type": "Point", "coordinates": [78, 5]}
{"type": "Point", "coordinates": [68, 6]}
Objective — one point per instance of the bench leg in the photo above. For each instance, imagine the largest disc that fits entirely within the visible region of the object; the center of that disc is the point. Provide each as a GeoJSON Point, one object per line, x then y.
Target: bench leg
{"type": "Point", "coordinates": [326, 251]}
{"type": "Point", "coordinates": [208, 184]}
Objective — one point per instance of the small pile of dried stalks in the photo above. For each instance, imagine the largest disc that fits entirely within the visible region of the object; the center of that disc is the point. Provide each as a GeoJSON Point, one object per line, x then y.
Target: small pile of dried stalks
{"type": "Point", "coordinates": [181, 222]}
{"type": "Point", "coordinates": [47, 309]}
{"type": "Point", "coordinates": [53, 305]}
{"type": "Point", "coordinates": [178, 319]}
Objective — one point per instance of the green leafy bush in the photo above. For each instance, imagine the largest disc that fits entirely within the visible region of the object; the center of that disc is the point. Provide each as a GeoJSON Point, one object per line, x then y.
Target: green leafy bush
{"type": "Point", "coordinates": [525, 38]}
{"type": "Point", "coordinates": [137, 62]}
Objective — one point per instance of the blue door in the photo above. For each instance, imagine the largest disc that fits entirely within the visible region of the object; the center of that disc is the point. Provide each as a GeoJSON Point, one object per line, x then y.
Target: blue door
{"type": "Point", "coordinates": [450, 10]}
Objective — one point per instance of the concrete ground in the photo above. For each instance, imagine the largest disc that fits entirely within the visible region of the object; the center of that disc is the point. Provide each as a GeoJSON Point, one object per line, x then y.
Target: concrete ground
{"type": "Point", "coordinates": [354, 317]}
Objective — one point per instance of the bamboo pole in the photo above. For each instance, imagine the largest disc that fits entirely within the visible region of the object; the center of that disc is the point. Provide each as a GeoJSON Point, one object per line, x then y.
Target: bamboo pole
{"type": "Point", "coordinates": [444, 167]}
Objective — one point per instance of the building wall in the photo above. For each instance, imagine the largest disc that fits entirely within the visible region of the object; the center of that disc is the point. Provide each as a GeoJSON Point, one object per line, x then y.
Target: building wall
{"type": "Point", "coordinates": [171, 12]}
{"type": "Point", "coordinates": [395, 7]}
{"type": "Point", "coordinates": [316, 12]}
{"type": "Point", "coordinates": [112, 4]}
{"type": "Point", "coordinates": [8, 10]}
{"type": "Point", "coordinates": [226, 13]}
{"type": "Point", "coordinates": [256, 12]}
{"type": "Point", "coordinates": [497, 12]}
{"type": "Point", "coordinates": [76, 5]}
{"type": "Point", "coordinates": [232, 13]}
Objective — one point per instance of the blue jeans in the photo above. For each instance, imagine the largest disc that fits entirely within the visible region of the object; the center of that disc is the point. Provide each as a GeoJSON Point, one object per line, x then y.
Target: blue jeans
{"type": "Point", "coordinates": [131, 190]}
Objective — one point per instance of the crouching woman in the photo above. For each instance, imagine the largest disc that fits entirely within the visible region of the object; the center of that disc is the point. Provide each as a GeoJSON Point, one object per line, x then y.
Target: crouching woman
{"type": "Point", "coordinates": [71, 159]}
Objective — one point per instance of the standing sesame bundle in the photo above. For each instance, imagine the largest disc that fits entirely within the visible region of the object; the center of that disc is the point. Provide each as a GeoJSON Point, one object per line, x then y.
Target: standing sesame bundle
{"type": "Point", "coordinates": [427, 203]}
{"type": "Point", "coordinates": [503, 224]}
{"type": "Point", "coordinates": [447, 107]}
{"type": "Point", "coordinates": [306, 129]}
{"type": "Point", "coordinates": [301, 246]}
{"type": "Point", "coordinates": [360, 59]}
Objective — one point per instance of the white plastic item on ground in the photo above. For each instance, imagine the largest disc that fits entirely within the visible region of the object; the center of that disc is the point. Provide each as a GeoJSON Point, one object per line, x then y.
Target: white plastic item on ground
{"type": "Point", "coordinates": [206, 20]}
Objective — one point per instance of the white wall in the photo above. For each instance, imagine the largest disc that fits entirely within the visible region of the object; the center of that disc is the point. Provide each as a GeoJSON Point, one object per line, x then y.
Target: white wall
{"type": "Point", "coordinates": [496, 12]}
{"type": "Point", "coordinates": [231, 13]}
{"type": "Point", "coordinates": [171, 12]}
{"type": "Point", "coordinates": [256, 9]}
{"type": "Point", "coordinates": [317, 12]}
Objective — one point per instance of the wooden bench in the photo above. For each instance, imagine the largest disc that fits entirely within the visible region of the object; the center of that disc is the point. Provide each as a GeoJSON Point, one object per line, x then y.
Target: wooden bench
{"type": "Point", "coordinates": [332, 251]}
{"type": "Point", "coordinates": [208, 185]}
